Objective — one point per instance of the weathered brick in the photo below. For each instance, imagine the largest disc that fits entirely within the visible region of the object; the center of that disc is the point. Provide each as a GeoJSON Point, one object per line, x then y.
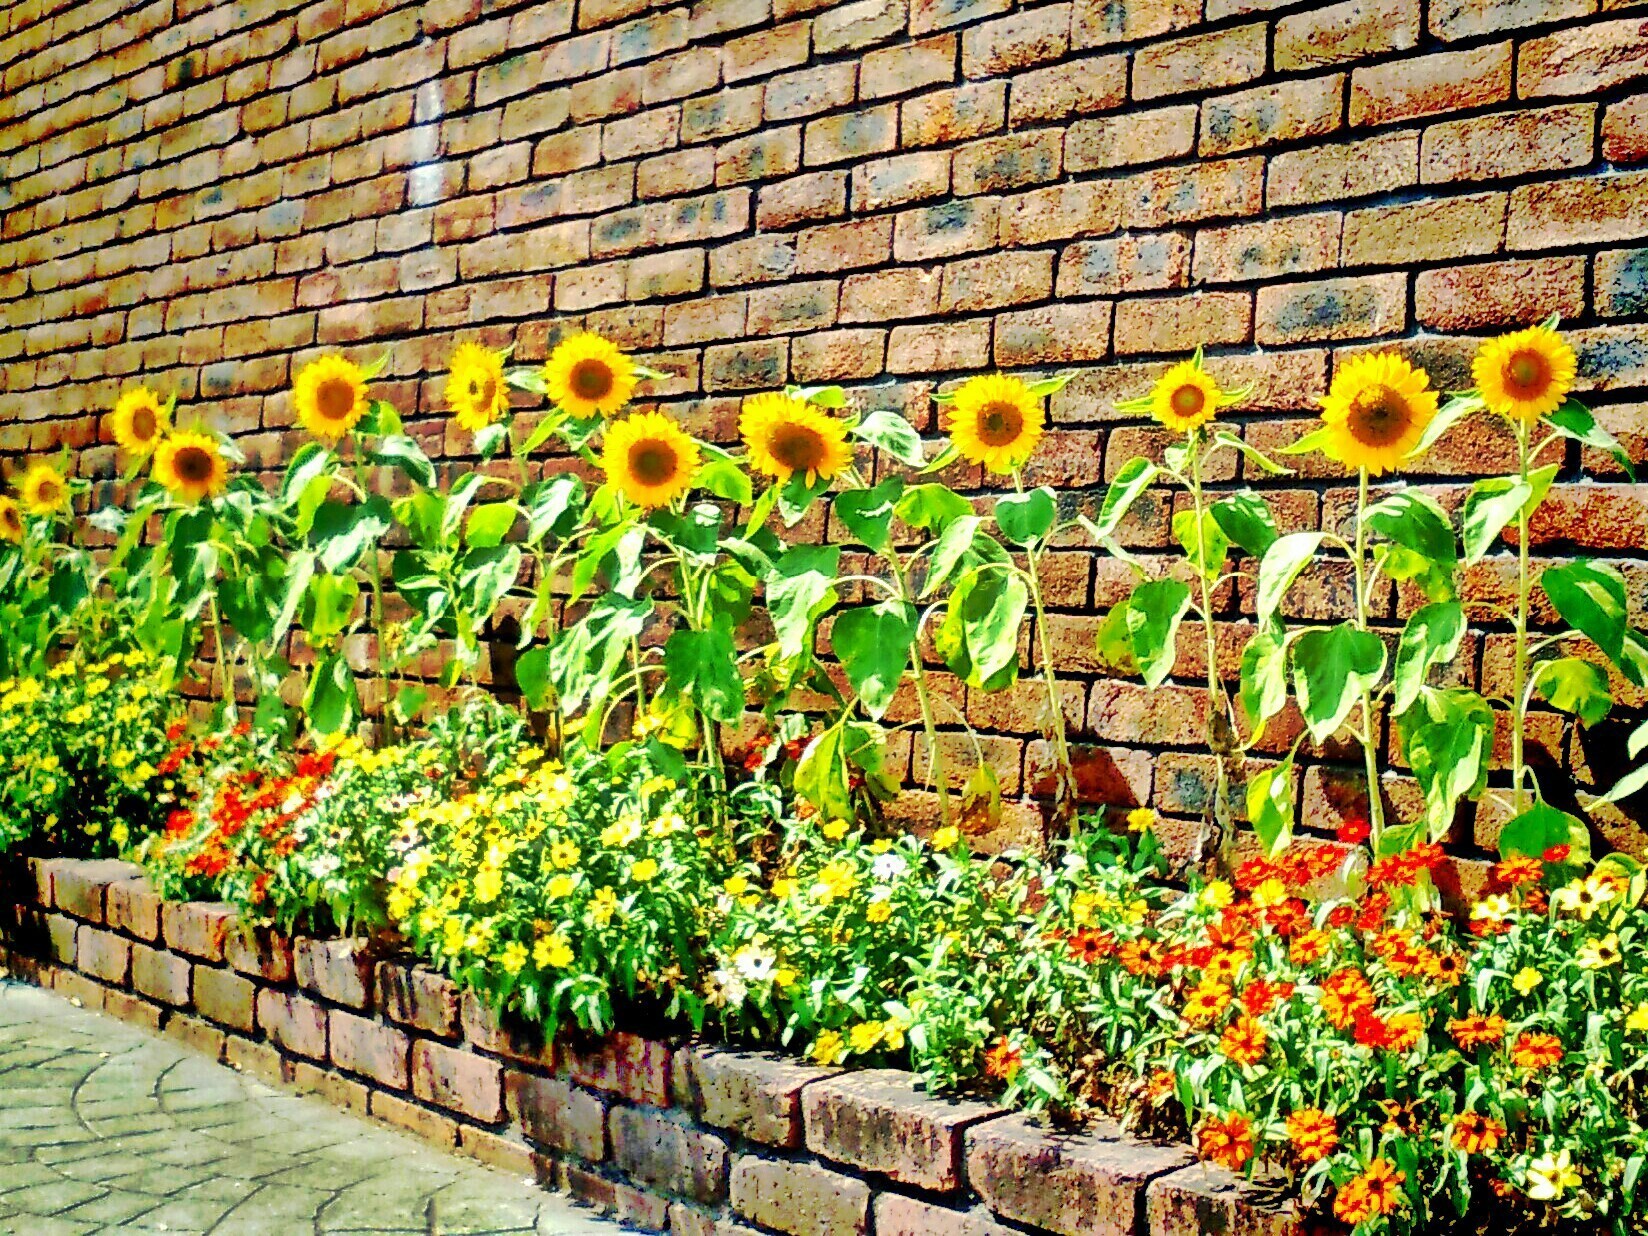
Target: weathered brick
{"type": "Point", "coordinates": [753, 1094]}
{"type": "Point", "coordinates": [1182, 323]}
{"type": "Point", "coordinates": [1266, 115]}
{"type": "Point", "coordinates": [1625, 130]}
{"type": "Point", "coordinates": [1053, 334]}
{"type": "Point", "coordinates": [103, 955]}
{"type": "Point", "coordinates": [932, 348]}
{"type": "Point", "coordinates": [197, 928]}
{"type": "Point", "coordinates": [1457, 298]}
{"type": "Point", "coordinates": [419, 997]}
{"type": "Point", "coordinates": [1099, 22]}
{"type": "Point", "coordinates": [1137, 137]}
{"type": "Point", "coordinates": [458, 1080]}
{"type": "Point", "coordinates": [1007, 162]}
{"type": "Point", "coordinates": [844, 246]}
{"type": "Point", "coordinates": [1430, 85]}
{"type": "Point", "coordinates": [1424, 231]}
{"type": "Point", "coordinates": [1510, 144]}
{"type": "Point", "coordinates": [1200, 62]}
{"type": "Point", "coordinates": [902, 178]}
{"type": "Point", "coordinates": [1291, 245]}
{"type": "Point", "coordinates": [800, 1198]}
{"type": "Point", "coordinates": [554, 1113]}
{"type": "Point", "coordinates": [79, 886]}
{"type": "Point", "coordinates": [1123, 264]}
{"type": "Point", "coordinates": [910, 66]}
{"type": "Point", "coordinates": [897, 1215]}
{"type": "Point", "coordinates": [1466, 19]}
{"type": "Point", "coordinates": [1583, 60]}
{"type": "Point", "coordinates": [133, 907]}
{"type": "Point", "coordinates": [1224, 189]}
{"type": "Point", "coordinates": [1345, 308]}
{"type": "Point", "coordinates": [293, 1023]}
{"type": "Point", "coordinates": [877, 1121]}
{"type": "Point", "coordinates": [996, 279]}
{"type": "Point", "coordinates": [851, 135]}
{"type": "Point", "coordinates": [838, 355]}
{"type": "Point", "coordinates": [951, 115]}
{"type": "Point", "coordinates": [906, 292]}
{"type": "Point", "coordinates": [663, 1151]}
{"type": "Point", "coordinates": [1029, 37]}
{"type": "Point", "coordinates": [1353, 169]}
{"type": "Point", "coordinates": [1202, 1198]}
{"type": "Point", "coordinates": [225, 997]}
{"type": "Point", "coordinates": [1069, 88]}
{"type": "Point", "coordinates": [161, 975]}
{"type": "Point", "coordinates": [370, 1048]}
{"type": "Point", "coordinates": [336, 970]}
{"type": "Point", "coordinates": [419, 1121]}
{"type": "Point", "coordinates": [1059, 212]}
{"type": "Point", "coordinates": [1572, 212]}
{"type": "Point", "coordinates": [624, 1064]}
{"type": "Point", "coordinates": [941, 231]}
{"type": "Point", "coordinates": [765, 52]}
{"type": "Point", "coordinates": [859, 23]}
{"type": "Point", "coordinates": [1352, 30]}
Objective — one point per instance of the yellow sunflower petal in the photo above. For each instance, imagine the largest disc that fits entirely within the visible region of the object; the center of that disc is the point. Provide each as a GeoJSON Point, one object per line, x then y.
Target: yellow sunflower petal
{"type": "Point", "coordinates": [43, 491]}
{"type": "Point", "coordinates": [11, 521]}
{"type": "Point", "coordinates": [786, 436]}
{"type": "Point", "coordinates": [588, 376]}
{"type": "Point", "coordinates": [191, 466]}
{"type": "Point", "coordinates": [1185, 397]}
{"type": "Point", "coordinates": [139, 421]}
{"type": "Point", "coordinates": [330, 397]}
{"type": "Point", "coordinates": [649, 459]}
{"type": "Point", "coordinates": [1526, 374]}
{"type": "Point", "coordinates": [995, 421]}
{"type": "Point", "coordinates": [1376, 412]}
{"type": "Point", "coordinates": [475, 389]}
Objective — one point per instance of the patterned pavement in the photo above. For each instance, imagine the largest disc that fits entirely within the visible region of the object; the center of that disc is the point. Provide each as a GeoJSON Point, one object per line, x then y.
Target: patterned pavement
{"type": "Point", "coordinates": [107, 1128]}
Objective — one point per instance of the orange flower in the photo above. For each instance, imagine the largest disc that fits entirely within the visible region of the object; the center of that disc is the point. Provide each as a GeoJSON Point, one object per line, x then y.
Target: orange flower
{"type": "Point", "coordinates": [1474, 1133]}
{"type": "Point", "coordinates": [1002, 1061]}
{"type": "Point", "coordinates": [1223, 966]}
{"type": "Point", "coordinates": [1536, 1051]}
{"type": "Point", "coordinates": [1314, 1134]}
{"type": "Point", "coordinates": [1344, 994]}
{"type": "Point", "coordinates": [1376, 1192]}
{"type": "Point", "coordinates": [1205, 1001]}
{"type": "Point", "coordinates": [1260, 996]}
{"type": "Point", "coordinates": [1227, 1142]}
{"type": "Point", "coordinates": [1403, 1031]}
{"type": "Point", "coordinates": [1243, 1041]}
{"type": "Point", "coordinates": [1518, 869]}
{"type": "Point", "coordinates": [1308, 947]}
{"type": "Point", "coordinates": [1447, 969]}
{"type": "Point", "coordinates": [1477, 1030]}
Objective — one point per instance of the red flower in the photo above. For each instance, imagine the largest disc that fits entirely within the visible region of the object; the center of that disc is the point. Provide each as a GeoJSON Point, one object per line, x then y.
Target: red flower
{"type": "Point", "coordinates": [1557, 854]}
{"type": "Point", "coordinates": [1354, 831]}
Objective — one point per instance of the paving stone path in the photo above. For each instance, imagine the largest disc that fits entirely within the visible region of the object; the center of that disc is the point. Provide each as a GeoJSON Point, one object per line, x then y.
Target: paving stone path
{"type": "Point", "coordinates": [106, 1128]}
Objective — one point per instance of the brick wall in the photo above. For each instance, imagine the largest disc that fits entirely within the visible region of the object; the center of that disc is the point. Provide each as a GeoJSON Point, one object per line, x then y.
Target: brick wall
{"type": "Point", "coordinates": [885, 193]}
{"type": "Point", "coordinates": [668, 1136]}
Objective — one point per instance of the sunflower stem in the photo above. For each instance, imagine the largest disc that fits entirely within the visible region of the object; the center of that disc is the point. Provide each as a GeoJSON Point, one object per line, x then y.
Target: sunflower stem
{"type": "Point", "coordinates": [1064, 790]}
{"type": "Point", "coordinates": [938, 764]}
{"type": "Point", "coordinates": [1217, 703]}
{"type": "Point", "coordinates": [386, 725]}
{"type": "Point", "coordinates": [1369, 735]}
{"type": "Point", "coordinates": [226, 682]}
{"type": "Point", "coordinates": [1519, 694]}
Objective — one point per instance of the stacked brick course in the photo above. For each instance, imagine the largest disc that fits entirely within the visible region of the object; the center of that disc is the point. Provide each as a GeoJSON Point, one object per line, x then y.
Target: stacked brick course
{"type": "Point", "coordinates": [889, 194]}
{"type": "Point", "coordinates": [670, 1136]}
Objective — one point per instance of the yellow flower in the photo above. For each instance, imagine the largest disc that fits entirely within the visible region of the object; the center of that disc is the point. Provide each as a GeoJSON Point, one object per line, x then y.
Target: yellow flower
{"type": "Point", "coordinates": [1584, 897]}
{"type": "Point", "coordinates": [1185, 397]}
{"type": "Point", "coordinates": [864, 1036]}
{"type": "Point", "coordinates": [552, 952]}
{"type": "Point", "coordinates": [786, 436]}
{"type": "Point", "coordinates": [946, 837]}
{"type": "Point", "coordinates": [1141, 820]}
{"type": "Point", "coordinates": [561, 885]}
{"type": "Point", "coordinates": [829, 1048]}
{"type": "Point", "coordinates": [644, 870]}
{"type": "Point", "coordinates": [1526, 374]}
{"type": "Point", "coordinates": [1599, 954]}
{"type": "Point", "coordinates": [475, 388]}
{"type": "Point", "coordinates": [513, 958]}
{"type": "Point", "coordinates": [79, 714]}
{"type": "Point", "coordinates": [1271, 892]}
{"type": "Point", "coordinates": [835, 880]}
{"type": "Point", "coordinates": [330, 397]}
{"type": "Point", "coordinates": [649, 459]}
{"type": "Point", "coordinates": [11, 521]}
{"type": "Point", "coordinates": [1551, 1175]}
{"type": "Point", "coordinates": [1376, 411]}
{"type": "Point", "coordinates": [736, 886]}
{"type": "Point", "coordinates": [785, 976]}
{"type": "Point", "coordinates": [43, 491]}
{"type": "Point", "coordinates": [191, 466]}
{"type": "Point", "coordinates": [995, 421]}
{"type": "Point", "coordinates": [1217, 895]}
{"type": "Point", "coordinates": [621, 833]}
{"type": "Point", "coordinates": [1526, 979]}
{"type": "Point", "coordinates": [835, 830]}
{"type": "Point", "coordinates": [1636, 1021]}
{"type": "Point", "coordinates": [602, 906]}
{"type": "Point", "coordinates": [563, 853]}
{"type": "Point", "coordinates": [879, 911]}
{"type": "Point", "coordinates": [783, 888]}
{"type": "Point", "coordinates": [139, 421]}
{"type": "Point", "coordinates": [588, 376]}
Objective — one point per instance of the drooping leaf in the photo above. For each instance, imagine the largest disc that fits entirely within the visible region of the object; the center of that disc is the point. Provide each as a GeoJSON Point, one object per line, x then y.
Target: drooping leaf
{"type": "Point", "coordinates": [1543, 827]}
{"type": "Point", "coordinates": [1270, 805]}
{"type": "Point", "coordinates": [703, 667]}
{"type": "Point", "coordinates": [868, 513]}
{"type": "Point", "coordinates": [1206, 550]}
{"type": "Point", "coordinates": [1247, 521]}
{"type": "Point", "coordinates": [489, 524]}
{"type": "Point", "coordinates": [585, 661]}
{"type": "Point", "coordinates": [1332, 668]}
{"type": "Point", "coordinates": [1574, 685]}
{"type": "Point", "coordinates": [532, 676]}
{"type": "Point", "coordinates": [1026, 518]}
{"type": "Point", "coordinates": [1574, 420]}
{"type": "Point", "coordinates": [821, 776]}
{"type": "Point", "coordinates": [1280, 566]}
{"type": "Point", "coordinates": [726, 480]}
{"type": "Point", "coordinates": [874, 645]}
{"type": "Point", "coordinates": [1154, 613]}
{"type": "Point", "coordinates": [980, 632]}
{"type": "Point", "coordinates": [1418, 524]}
{"type": "Point", "coordinates": [1494, 501]}
{"type": "Point", "coordinates": [329, 606]}
{"type": "Point", "coordinates": [404, 453]}
{"type": "Point", "coordinates": [553, 507]}
{"type": "Point", "coordinates": [1263, 691]}
{"type": "Point", "coordinates": [1431, 637]}
{"type": "Point", "coordinates": [1448, 741]}
{"type": "Point", "coordinates": [344, 531]}
{"type": "Point", "coordinates": [800, 590]}
{"type": "Point", "coordinates": [1132, 480]}
{"type": "Point", "coordinates": [889, 432]}
{"type": "Point", "coordinates": [931, 506]}
{"type": "Point", "coordinates": [951, 549]}
{"type": "Point", "coordinates": [330, 702]}
{"type": "Point", "coordinates": [1113, 643]}
{"type": "Point", "coordinates": [1590, 596]}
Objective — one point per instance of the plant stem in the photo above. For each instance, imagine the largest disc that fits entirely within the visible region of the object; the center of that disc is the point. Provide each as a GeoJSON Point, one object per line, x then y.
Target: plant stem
{"type": "Point", "coordinates": [226, 681]}
{"type": "Point", "coordinates": [1216, 701]}
{"type": "Point", "coordinates": [1064, 789]}
{"type": "Point", "coordinates": [1370, 751]}
{"type": "Point", "coordinates": [386, 730]}
{"type": "Point", "coordinates": [1519, 700]}
{"type": "Point", "coordinates": [938, 764]}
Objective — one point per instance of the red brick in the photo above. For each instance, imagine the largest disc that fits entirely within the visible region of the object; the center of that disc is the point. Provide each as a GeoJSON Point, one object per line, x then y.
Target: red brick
{"type": "Point", "coordinates": [1070, 88]}
{"type": "Point", "coordinates": [1575, 212]}
{"type": "Point", "coordinates": [1183, 323]}
{"type": "Point", "coordinates": [1424, 231]}
{"type": "Point", "coordinates": [838, 355]}
{"type": "Point", "coordinates": [906, 292]}
{"type": "Point", "coordinates": [951, 228]}
{"type": "Point", "coordinates": [1429, 85]}
{"type": "Point", "coordinates": [800, 1198]}
{"type": "Point", "coordinates": [911, 66]}
{"type": "Point", "coordinates": [1345, 308]}
{"type": "Point", "coordinates": [336, 970]}
{"type": "Point", "coordinates": [197, 928]}
{"type": "Point", "coordinates": [1625, 130]}
{"type": "Point", "coordinates": [1200, 62]}
{"type": "Point", "coordinates": [293, 1023]}
{"type": "Point", "coordinates": [1266, 115]}
{"type": "Point", "coordinates": [1509, 144]}
{"type": "Point", "coordinates": [1053, 334]}
{"type": "Point", "coordinates": [1352, 30]}
{"type": "Point", "coordinates": [1458, 298]}
{"type": "Point", "coordinates": [753, 1094]}
{"type": "Point", "coordinates": [557, 1115]}
{"type": "Point", "coordinates": [1123, 264]}
{"type": "Point", "coordinates": [1584, 60]}
{"type": "Point", "coordinates": [1353, 169]}
{"type": "Point", "coordinates": [661, 1150]}
{"type": "Point", "coordinates": [458, 1080]}
{"type": "Point", "coordinates": [844, 246]}
{"type": "Point", "coordinates": [876, 1120]}
{"type": "Point", "coordinates": [369, 1048]}
{"type": "Point", "coordinates": [624, 1064]}
{"type": "Point", "coordinates": [1290, 245]}
{"type": "Point", "coordinates": [951, 115]}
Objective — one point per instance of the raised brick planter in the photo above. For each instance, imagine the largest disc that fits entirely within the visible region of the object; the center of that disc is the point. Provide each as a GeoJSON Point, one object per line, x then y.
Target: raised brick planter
{"type": "Point", "coordinates": [688, 1138]}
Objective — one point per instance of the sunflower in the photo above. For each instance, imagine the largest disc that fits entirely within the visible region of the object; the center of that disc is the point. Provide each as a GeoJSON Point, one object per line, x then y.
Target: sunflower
{"type": "Point", "coordinates": [330, 394]}
{"type": "Point", "coordinates": [1185, 397]}
{"type": "Point", "coordinates": [11, 521]}
{"type": "Point", "coordinates": [649, 459]}
{"type": "Point", "coordinates": [191, 466]}
{"type": "Point", "coordinates": [786, 435]}
{"type": "Point", "coordinates": [138, 421]}
{"type": "Point", "coordinates": [43, 491]}
{"type": "Point", "coordinates": [1525, 375]}
{"type": "Point", "coordinates": [996, 421]}
{"type": "Point", "coordinates": [588, 376]}
{"type": "Point", "coordinates": [1376, 411]}
{"type": "Point", "coordinates": [475, 390]}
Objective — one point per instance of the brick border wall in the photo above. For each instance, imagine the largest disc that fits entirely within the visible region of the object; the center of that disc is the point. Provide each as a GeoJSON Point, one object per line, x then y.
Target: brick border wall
{"type": "Point", "coordinates": [672, 1136]}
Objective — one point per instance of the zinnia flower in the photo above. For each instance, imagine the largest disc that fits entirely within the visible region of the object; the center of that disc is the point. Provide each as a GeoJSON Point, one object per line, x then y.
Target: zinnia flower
{"type": "Point", "coordinates": [1227, 1142]}
{"type": "Point", "coordinates": [1376, 1192]}
{"type": "Point", "coordinates": [1536, 1051]}
{"type": "Point", "coordinates": [1474, 1133]}
{"type": "Point", "coordinates": [1477, 1030]}
{"type": "Point", "coordinates": [1243, 1041]}
{"type": "Point", "coordinates": [1313, 1133]}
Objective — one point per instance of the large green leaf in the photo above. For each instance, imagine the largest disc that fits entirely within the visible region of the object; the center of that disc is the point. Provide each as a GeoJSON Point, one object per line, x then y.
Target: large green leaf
{"type": "Point", "coordinates": [309, 462]}
{"type": "Point", "coordinates": [868, 513]}
{"type": "Point", "coordinates": [1132, 480]}
{"type": "Point", "coordinates": [553, 507]}
{"type": "Point", "coordinates": [1263, 691]}
{"type": "Point", "coordinates": [1431, 637]}
{"type": "Point", "coordinates": [1026, 518]}
{"type": "Point", "coordinates": [891, 433]}
{"type": "Point", "coordinates": [874, 645]}
{"type": "Point", "coordinates": [1591, 598]}
{"type": "Point", "coordinates": [532, 676]}
{"type": "Point", "coordinates": [585, 661]}
{"type": "Point", "coordinates": [800, 590]}
{"type": "Point", "coordinates": [1332, 668]}
{"type": "Point", "coordinates": [1574, 420]}
{"type": "Point", "coordinates": [1270, 805]}
{"type": "Point", "coordinates": [931, 506]}
{"type": "Point", "coordinates": [1494, 501]}
{"type": "Point", "coordinates": [345, 531]}
{"type": "Point", "coordinates": [979, 635]}
{"type": "Point", "coordinates": [726, 480]}
{"type": "Point", "coordinates": [1416, 523]}
{"type": "Point", "coordinates": [954, 545]}
{"type": "Point", "coordinates": [1543, 827]}
{"type": "Point", "coordinates": [329, 606]}
{"type": "Point", "coordinates": [1206, 551]}
{"type": "Point", "coordinates": [330, 701]}
{"type": "Point", "coordinates": [1154, 613]}
{"type": "Point", "coordinates": [703, 667]}
{"type": "Point", "coordinates": [822, 776]}
{"type": "Point", "coordinates": [1576, 686]}
{"type": "Point", "coordinates": [489, 524]}
{"type": "Point", "coordinates": [404, 453]}
{"type": "Point", "coordinates": [1286, 557]}
{"type": "Point", "coordinates": [1247, 521]}
{"type": "Point", "coordinates": [1448, 742]}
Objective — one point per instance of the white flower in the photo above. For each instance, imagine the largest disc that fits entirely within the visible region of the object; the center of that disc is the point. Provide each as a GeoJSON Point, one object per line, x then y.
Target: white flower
{"type": "Point", "coordinates": [754, 964]}
{"type": "Point", "coordinates": [1550, 1176]}
{"type": "Point", "coordinates": [726, 987]}
{"type": "Point", "coordinates": [889, 866]}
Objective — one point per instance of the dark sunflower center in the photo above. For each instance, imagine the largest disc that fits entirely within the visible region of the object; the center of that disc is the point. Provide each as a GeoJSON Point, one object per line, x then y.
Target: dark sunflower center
{"type": "Point", "coordinates": [11, 522]}
{"type": "Point", "coordinates": [48, 491]}
{"type": "Point", "coordinates": [193, 464]}
{"type": "Point", "coordinates": [1000, 423]}
{"type": "Point", "coordinates": [1379, 416]}
{"type": "Point", "coordinates": [591, 379]}
{"type": "Point", "coordinates": [1527, 373]}
{"type": "Point", "coordinates": [798, 447]}
{"type": "Point", "coordinates": [1188, 401]}
{"type": "Point", "coordinates": [653, 462]}
{"type": "Point", "coordinates": [335, 399]}
{"type": "Point", "coordinates": [144, 424]}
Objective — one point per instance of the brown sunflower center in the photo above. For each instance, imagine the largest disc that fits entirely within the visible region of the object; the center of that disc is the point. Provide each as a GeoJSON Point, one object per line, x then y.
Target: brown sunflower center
{"type": "Point", "coordinates": [144, 424]}
{"type": "Point", "coordinates": [193, 465]}
{"type": "Point", "coordinates": [483, 391]}
{"type": "Point", "coordinates": [335, 399]}
{"type": "Point", "coordinates": [48, 491]}
{"type": "Point", "coordinates": [798, 447]}
{"type": "Point", "coordinates": [1000, 423]}
{"type": "Point", "coordinates": [653, 462]}
{"type": "Point", "coordinates": [1527, 374]}
{"type": "Point", "coordinates": [591, 379]}
{"type": "Point", "coordinates": [11, 523]}
{"type": "Point", "coordinates": [1188, 401]}
{"type": "Point", "coordinates": [1379, 416]}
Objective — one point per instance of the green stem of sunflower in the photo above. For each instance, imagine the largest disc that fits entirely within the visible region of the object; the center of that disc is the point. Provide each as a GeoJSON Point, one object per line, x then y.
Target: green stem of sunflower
{"type": "Point", "coordinates": [1519, 694]}
{"type": "Point", "coordinates": [1216, 702]}
{"type": "Point", "coordinates": [1369, 735]}
{"type": "Point", "coordinates": [1064, 789]}
{"type": "Point", "coordinates": [386, 724]}
{"type": "Point", "coordinates": [939, 765]}
{"type": "Point", "coordinates": [226, 682]}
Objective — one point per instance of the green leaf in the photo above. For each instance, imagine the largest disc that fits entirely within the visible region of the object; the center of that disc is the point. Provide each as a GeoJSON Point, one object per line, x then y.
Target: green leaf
{"type": "Point", "coordinates": [821, 776]}
{"type": "Point", "coordinates": [800, 590]}
{"type": "Point", "coordinates": [1576, 686]}
{"type": "Point", "coordinates": [343, 532]}
{"type": "Point", "coordinates": [796, 496]}
{"type": "Point", "coordinates": [703, 667]}
{"type": "Point", "coordinates": [1445, 419]}
{"type": "Point", "coordinates": [1113, 643]}
{"type": "Point", "coordinates": [1207, 552]}
{"type": "Point", "coordinates": [953, 544]}
{"type": "Point", "coordinates": [1154, 613]}
{"type": "Point", "coordinates": [1134, 478]}
{"type": "Point", "coordinates": [1280, 566]}
{"type": "Point", "coordinates": [931, 506]}
{"type": "Point", "coordinates": [1431, 637]}
{"type": "Point", "coordinates": [1247, 521]}
{"type": "Point", "coordinates": [330, 701]}
{"type": "Point", "coordinates": [532, 676]}
{"type": "Point", "coordinates": [980, 631]}
{"type": "Point", "coordinates": [1263, 691]}
{"type": "Point", "coordinates": [1574, 420]}
{"type": "Point", "coordinates": [1591, 599]}
{"type": "Point", "coordinates": [1494, 501]}
{"type": "Point", "coordinates": [489, 439]}
{"type": "Point", "coordinates": [891, 433]}
{"type": "Point", "coordinates": [300, 569]}
{"type": "Point", "coordinates": [1315, 440]}
{"type": "Point", "coordinates": [1262, 461]}
{"type": "Point", "coordinates": [1026, 518]}
{"type": "Point", "coordinates": [585, 661]}
{"type": "Point", "coordinates": [329, 606]}
{"type": "Point", "coordinates": [1270, 805]}
{"type": "Point", "coordinates": [404, 453]}
{"type": "Point", "coordinates": [309, 462]}
{"type": "Point", "coordinates": [874, 645]}
{"type": "Point", "coordinates": [553, 507]}
{"type": "Point", "coordinates": [726, 480]}
{"type": "Point", "coordinates": [1419, 525]}
{"type": "Point", "coordinates": [868, 513]}
{"type": "Point", "coordinates": [489, 524]}
{"type": "Point", "coordinates": [1332, 668]}
{"type": "Point", "coordinates": [1543, 827]}
{"type": "Point", "coordinates": [1448, 742]}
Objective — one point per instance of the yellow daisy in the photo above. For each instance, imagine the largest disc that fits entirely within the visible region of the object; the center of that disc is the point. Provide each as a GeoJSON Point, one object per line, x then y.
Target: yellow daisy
{"type": "Point", "coordinates": [139, 421]}
{"type": "Point", "coordinates": [786, 436]}
{"type": "Point", "coordinates": [475, 389]}
{"type": "Point", "coordinates": [43, 491]}
{"type": "Point", "coordinates": [649, 459]}
{"type": "Point", "coordinates": [996, 421]}
{"type": "Point", "coordinates": [11, 521]}
{"type": "Point", "coordinates": [588, 376]}
{"type": "Point", "coordinates": [330, 395]}
{"type": "Point", "coordinates": [1185, 397]}
{"type": "Point", "coordinates": [1376, 411]}
{"type": "Point", "coordinates": [191, 466]}
{"type": "Point", "coordinates": [1526, 374]}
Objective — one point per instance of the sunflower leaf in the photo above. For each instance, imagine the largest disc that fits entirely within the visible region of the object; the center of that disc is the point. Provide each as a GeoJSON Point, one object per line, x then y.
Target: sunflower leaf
{"type": "Point", "coordinates": [889, 432]}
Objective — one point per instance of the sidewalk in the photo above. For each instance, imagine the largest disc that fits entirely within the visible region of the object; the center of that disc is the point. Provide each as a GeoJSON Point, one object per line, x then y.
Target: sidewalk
{"type": "Point", "coordinates": [105, 1128]}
